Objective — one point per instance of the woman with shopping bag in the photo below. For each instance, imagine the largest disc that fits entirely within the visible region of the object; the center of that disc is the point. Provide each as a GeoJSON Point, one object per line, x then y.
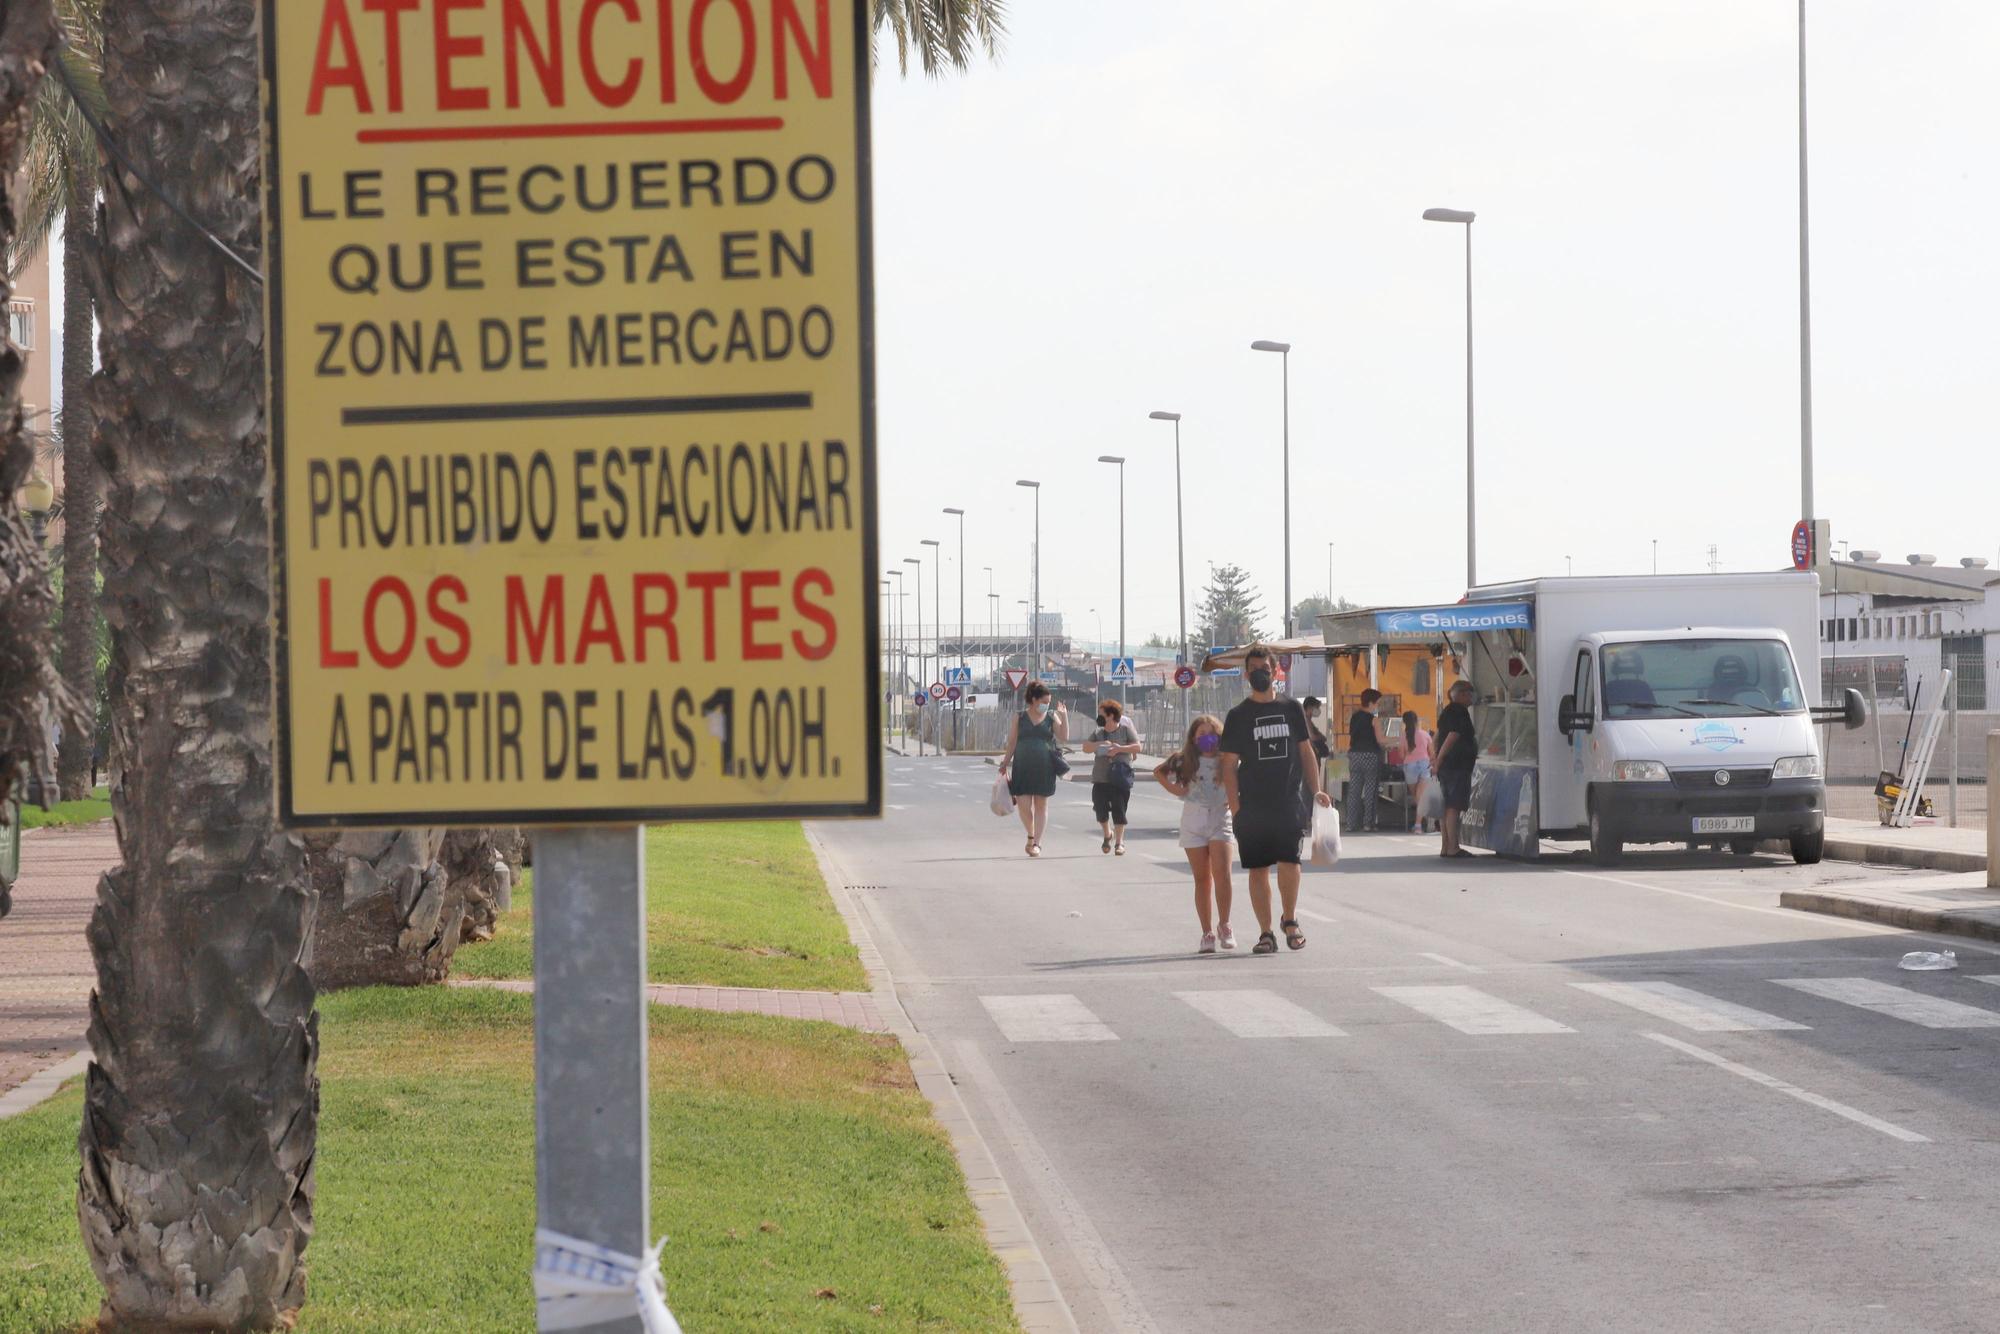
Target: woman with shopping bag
{"type": "Point", "coordinates": [1031, 763]}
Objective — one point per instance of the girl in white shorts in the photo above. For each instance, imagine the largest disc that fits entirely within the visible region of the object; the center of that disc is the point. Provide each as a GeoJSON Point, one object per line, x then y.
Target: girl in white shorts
{"type": "Point", "coordinates": [1194, 774]}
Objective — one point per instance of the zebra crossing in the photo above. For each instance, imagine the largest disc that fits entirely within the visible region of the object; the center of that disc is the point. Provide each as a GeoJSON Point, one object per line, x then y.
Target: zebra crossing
{"type": "Point", "coordinates": [1479, 1013]}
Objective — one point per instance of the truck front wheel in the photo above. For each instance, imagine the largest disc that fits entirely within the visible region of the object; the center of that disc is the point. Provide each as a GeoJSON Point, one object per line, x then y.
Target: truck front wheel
{"type": "Point", "coordinates": [1808, 849]}
{"type": "Point", "coordinates": [1605, 850]}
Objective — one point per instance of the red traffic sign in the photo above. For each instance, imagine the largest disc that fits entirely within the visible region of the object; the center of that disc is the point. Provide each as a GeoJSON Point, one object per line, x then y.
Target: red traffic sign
{"type": "Point", "coordinates": [937, 690]}
{"type": "Point", "coordinates": [1016, 677]}
{"type": "Point", "coordinates": [921, 699]}
{"type": "Point", "coordinates": [1802, 552]}
{"type": "Point", "coordinates": [954, 694]}
{"type": "Point", "coordinates": [1184, 677]}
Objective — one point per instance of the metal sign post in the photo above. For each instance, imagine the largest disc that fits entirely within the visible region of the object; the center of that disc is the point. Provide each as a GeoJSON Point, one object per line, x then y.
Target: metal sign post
{"type": "Point", "coordinates": [592, 1155]}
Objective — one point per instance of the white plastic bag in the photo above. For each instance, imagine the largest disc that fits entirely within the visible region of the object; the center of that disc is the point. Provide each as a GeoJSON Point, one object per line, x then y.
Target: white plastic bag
{"type": "Point", "coordinates": [1325, 837]}
{"type": "Point", "coordinates": [1431, 806]}
{"type": "Point", "coordinates": [1002, 801]}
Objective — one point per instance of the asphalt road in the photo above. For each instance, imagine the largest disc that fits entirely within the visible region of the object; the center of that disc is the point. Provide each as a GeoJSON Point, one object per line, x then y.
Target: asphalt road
{"type": "Point", "coordinates": [1486, 1096]}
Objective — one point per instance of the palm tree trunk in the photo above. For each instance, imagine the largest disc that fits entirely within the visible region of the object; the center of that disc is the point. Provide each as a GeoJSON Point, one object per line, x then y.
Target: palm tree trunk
{"type": "Point", "coordinates": [201, 1108]}
{"type": "Point", "coordinates": [82, 494]}
{"type": "Point", "coordinates": [28, 679]}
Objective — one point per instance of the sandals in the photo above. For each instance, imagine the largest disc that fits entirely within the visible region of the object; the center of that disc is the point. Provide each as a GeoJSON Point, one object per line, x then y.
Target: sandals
{"type": "Point", "coordinates": [1266, 944]}
{"type": "Point", "coordinates": [1106, 847]}
{"type": "Point", "coordinates": [1294, 936]}
{"type": "Point", "coordinates": [1033, 849]}
{"type": "Point", "coordinates": [1120, 849]}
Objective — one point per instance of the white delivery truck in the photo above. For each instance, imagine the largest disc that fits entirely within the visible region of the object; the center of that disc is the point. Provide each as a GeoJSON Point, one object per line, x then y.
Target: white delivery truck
{"type": "Point", "coordinates": [1651, 709]}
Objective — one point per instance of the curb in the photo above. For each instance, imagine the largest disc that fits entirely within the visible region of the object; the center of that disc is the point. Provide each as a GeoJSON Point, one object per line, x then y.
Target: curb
{"type": "Point", "coordinates": [1975, 923]}
{"type": "Point", "coordinates": [39, 1087]}
{"type": "Point", "coordinates": [1038, 1302]}
{"type": "Point", "coordinates": [1897, 854]}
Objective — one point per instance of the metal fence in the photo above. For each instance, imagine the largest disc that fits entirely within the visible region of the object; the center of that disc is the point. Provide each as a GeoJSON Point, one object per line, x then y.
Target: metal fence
{"type": "Point", "coordinates": [1855, 760]}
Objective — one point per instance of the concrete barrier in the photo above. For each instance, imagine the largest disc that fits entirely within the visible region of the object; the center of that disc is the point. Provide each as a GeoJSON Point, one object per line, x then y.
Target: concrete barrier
{"type": "Point", "coordinates": [1993, 818]}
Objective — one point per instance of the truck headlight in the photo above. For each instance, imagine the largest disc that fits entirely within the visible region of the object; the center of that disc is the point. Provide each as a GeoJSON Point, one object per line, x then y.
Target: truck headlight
{"type": "Point", "coordinates": [1640, 771]}
{"type": "Point", "coordinates": [1797, 766]}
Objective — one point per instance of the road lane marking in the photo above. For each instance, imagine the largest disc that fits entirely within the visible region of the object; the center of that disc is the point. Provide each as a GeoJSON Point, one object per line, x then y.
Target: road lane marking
{"type": "Point", "coordinates": [1990, 979]}
{"type": "Point", "coordinates": [1259, 1014]}
{"type": "Point", "coordinates": [1910, 1006]}
{"type": "Point", "coordinates": [1470, 1010]}
{"type": "Point", "coordinates": [1448, 962]}
{"type": "Point", "coordinates": [1312, 916]}
{"type": "Point", "coordinates": [1061, 1018]}
{"type": "Point", "coordinates": [1841, 923]}
{"type": "Point", "coordinates": [1854, 1114]}
{"type": "Point", "coordinates": [1690, 1009]}
{"type": "Point", "coordinates": [1076, 1233]}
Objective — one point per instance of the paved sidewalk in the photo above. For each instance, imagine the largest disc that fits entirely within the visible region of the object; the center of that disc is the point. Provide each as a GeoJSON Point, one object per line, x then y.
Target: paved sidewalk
{"type": "Point", "coordinates": [1924, 847]}
{"type": "Point", "coordinates": [46, 973]}
{"type": "Point", "coordinates": [855, 1009]}
{"type": "Point", "coordinates": [1953, 905]}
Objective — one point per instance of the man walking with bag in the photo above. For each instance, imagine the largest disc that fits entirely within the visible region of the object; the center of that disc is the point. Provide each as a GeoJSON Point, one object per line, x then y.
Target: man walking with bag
{"type": "Point", "coordinates": [1267, 757]}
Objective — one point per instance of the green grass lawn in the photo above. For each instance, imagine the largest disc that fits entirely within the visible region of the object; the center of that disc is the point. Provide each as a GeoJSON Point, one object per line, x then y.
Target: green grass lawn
{"type": "Point", "coordinates": [727, 905]}
{"type": "Point", "coordinates": [95, 807]}
{"type": "Point", "coordinates": [789, 1159]}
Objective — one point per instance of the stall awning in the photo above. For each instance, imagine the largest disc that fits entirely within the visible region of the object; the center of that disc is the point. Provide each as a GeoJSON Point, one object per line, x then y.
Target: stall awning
{"type": "Point", "coordinates": [1232, 659]}
{"type": "Point", "coordinates": [1424, 625]}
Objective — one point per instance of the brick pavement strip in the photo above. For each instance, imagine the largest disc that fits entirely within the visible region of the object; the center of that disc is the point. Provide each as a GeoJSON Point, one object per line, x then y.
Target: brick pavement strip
{"type": "Point", "coordinates": [46, 973]}
{"type": "Point", "coordinates": [852, 1009]}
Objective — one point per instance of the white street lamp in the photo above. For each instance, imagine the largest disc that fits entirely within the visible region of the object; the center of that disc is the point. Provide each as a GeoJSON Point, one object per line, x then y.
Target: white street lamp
{"type": "Point", "coordinates": [1113, 458]}
{"type": "Point", "coordinates": [1471, 528]}
{"type": "Point", "coordinates": [1284, 351]}
{"type": "Point", "coordinates": [1180, 547]}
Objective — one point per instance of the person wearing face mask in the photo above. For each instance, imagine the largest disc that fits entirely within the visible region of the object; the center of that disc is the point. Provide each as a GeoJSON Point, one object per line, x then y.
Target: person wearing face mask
{"type": "Point", "coordinates": [1194, 774]}
{"type": "Point", "coordinates": [1032, 741]}
{"type": "Point", "coordinates": [1114, 740]}
{"type": "Point", "coordinates": [1267, 756]}
{"type": "Point", "coordinates": [1366, 740]}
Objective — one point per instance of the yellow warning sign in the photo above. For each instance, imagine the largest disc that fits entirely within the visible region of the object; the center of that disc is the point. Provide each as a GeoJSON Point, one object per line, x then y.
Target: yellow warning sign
{"type": "Point", "coordinates": [572, 409]}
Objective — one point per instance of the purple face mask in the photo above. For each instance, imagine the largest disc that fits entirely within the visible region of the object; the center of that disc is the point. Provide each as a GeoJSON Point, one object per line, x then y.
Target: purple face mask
{"type": "Point", "coordinates": [1207, 743]}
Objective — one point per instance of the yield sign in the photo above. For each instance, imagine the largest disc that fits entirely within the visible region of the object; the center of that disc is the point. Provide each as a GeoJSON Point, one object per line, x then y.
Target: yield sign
{"type": "Point", "coordinates": [1016, 677]}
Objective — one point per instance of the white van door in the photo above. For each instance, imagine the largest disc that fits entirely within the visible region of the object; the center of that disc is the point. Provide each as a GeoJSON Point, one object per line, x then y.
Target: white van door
{"type": "Point", "coordinates": [1566, 775]}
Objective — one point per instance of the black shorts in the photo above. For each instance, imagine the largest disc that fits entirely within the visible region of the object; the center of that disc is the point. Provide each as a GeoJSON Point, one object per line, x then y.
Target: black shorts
{"type": "Point", "coordinates": [1108, 801]}
{"type": "Point", "coordinates": [1267, 838]}
{"type": "Point", "coordinates": [1457, 785]}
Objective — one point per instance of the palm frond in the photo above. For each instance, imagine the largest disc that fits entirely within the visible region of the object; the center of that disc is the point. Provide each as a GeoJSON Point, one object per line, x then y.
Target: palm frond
{"type": "Point", "coordinates": [59, 160]}
{"type": "Point", "coordinates": [947, 35]}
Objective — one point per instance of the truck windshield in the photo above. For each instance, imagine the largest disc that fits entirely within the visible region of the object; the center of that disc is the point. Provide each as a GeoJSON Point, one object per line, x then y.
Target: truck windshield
{"type": "Point", "coordinates": [1705, 678]}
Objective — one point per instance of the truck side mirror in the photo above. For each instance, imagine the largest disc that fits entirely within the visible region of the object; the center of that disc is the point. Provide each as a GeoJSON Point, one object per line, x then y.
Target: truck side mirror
{"type": "Point", "coordinates": [1569, 721]}
{"type": "Point", "coordinates": [1855, 709]}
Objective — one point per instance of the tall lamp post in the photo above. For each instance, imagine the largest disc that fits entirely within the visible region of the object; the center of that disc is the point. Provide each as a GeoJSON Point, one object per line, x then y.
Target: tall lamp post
{"type": "Point", "coordinates": [919, 565]}
{"type": "Point", "coordinates": [1113, 458]}
{"type": "Point", "coordinates": [901, 651]}
{"type": "Point", "coordinates": [992, 617]}
{"type": "Point", "coordinates": [1180, 549]}
{"type": "Point", "coordinates": [959, 707]}
{"type": "Point", "coordinates": [1035, 615]}
{"type": "Point", "coordinates": [1284, 351]}
{"type": "Point", "coordinates": [1805, 301]}
{"type": "Point", "coordinates": [1471, 549]}
{"type": "Point", "coordinates": [937, 625]}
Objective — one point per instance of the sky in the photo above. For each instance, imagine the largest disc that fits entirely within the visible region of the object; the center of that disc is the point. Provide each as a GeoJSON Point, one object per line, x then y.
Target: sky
{"type": "Point", "coordinates": [1099, 225]}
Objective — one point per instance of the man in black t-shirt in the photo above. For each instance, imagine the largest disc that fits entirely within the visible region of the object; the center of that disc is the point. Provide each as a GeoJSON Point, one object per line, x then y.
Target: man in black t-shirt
{"type": "Point", "coordinates": [1267, 756]}
{"type": "Point", "coordinates": [1457, 750]}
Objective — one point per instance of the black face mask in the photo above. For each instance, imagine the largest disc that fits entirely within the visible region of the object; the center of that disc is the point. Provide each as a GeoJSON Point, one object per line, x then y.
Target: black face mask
{"type": "Point", "coordinates": [1260, 680]}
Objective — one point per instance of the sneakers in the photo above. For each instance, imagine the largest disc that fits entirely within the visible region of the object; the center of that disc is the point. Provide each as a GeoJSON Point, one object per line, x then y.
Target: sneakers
{"type": "Point", "coordinates": [1266, 944]}
{"type": "Point", "coordinates": [1226, 936]}
{"type": "Point", "coordinates": [1207, 943]}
